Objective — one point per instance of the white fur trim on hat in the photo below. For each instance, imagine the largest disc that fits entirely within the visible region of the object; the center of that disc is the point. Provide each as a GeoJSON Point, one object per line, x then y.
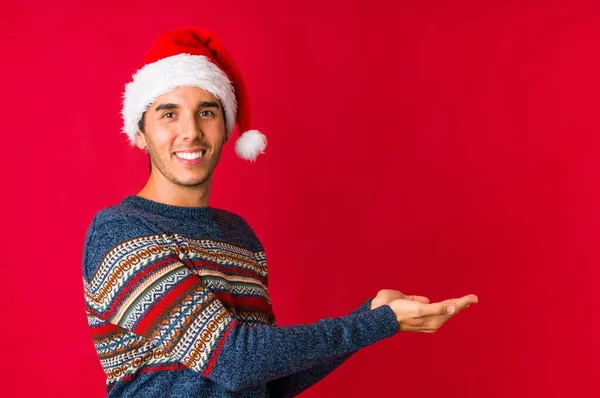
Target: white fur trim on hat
{"type": "Point", "coordinates": [250, 144]}
{"type": "Point", "coordinates": [165, 75]}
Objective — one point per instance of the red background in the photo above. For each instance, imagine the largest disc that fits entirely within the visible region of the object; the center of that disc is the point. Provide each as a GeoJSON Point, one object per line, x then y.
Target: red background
{"type": "Point", "coordinates": [439, 148]}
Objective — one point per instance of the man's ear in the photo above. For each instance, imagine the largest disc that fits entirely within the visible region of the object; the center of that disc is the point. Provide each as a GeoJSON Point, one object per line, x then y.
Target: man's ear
{"type": "Point", "coordinates": [225, 138]}
{"type": "Point", "coordinates": [140, 140]}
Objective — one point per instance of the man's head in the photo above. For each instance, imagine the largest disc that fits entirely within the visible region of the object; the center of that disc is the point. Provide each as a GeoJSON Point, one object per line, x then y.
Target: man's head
{"type": "Point", "coordinates": [184, 132]}
{"type": "Point", "coordinates": [191, 58]}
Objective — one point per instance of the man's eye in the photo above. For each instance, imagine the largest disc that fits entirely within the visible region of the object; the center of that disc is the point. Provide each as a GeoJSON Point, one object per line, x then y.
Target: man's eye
{"type": "Point", "coordinates": [206, 113]}
{"type": "Point", "coordinates": [169, 115]}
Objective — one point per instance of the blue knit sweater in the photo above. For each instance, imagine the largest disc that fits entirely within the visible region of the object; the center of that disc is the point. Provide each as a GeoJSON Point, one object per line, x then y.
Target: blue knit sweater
{"type": "Point", "coordinates": [177, 304]}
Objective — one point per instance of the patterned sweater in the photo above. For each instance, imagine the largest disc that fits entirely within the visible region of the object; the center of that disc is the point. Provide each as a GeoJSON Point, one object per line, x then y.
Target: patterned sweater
{"type": "Point", "coordinates": [177, 303]}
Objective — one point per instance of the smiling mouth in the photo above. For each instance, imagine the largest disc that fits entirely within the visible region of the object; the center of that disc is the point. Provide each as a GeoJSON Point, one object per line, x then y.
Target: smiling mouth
{"type": "Point", "coordinates": [191, 155]}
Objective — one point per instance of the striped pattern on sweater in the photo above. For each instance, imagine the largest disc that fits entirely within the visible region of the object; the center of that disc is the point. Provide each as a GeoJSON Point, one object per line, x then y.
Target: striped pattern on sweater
{"type": "Point", "coordinates": [178, 306]}
{"type": "Point", "coordinates": [167, 301]}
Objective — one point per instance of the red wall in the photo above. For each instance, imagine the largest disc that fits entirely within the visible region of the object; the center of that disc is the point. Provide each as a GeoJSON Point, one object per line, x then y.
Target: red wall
{"type": "Point", "coordinates": [439, 148]}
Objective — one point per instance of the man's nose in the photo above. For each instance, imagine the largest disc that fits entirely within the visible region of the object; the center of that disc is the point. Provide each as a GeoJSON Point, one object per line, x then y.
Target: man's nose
{"type": "Point", "coordinates": [190, 128]}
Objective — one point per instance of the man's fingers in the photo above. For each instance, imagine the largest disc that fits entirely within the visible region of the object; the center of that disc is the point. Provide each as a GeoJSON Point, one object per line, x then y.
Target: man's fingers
{"type": "Point", "coordinates": [449, 307]}
{"type": "Point", "coordinates": [420, 299]}
{"type": "Point", "coordinates": [437, 309]}
{"type": "Point", "coordinates": [467, 300]}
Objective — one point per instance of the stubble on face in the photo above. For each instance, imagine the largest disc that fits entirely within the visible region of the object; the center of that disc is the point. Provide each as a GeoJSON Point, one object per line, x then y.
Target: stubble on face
{"type": "Point", "coordinates": [162, 141]}
{"type": "Point", "coordinates": [160, 164]}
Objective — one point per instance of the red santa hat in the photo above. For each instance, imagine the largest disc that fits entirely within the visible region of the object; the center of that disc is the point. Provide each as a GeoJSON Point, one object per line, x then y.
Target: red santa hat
{"type": "Point", "coordinates": [196, 58]}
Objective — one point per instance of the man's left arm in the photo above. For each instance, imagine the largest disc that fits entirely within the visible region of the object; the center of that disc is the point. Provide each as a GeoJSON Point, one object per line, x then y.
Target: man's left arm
{"type": "Point", "coordinates": [294, 384]}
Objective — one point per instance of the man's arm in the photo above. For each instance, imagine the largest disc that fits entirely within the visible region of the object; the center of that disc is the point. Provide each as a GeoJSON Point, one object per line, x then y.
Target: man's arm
{"type": "Point", "coordinates": [294, 384]}
{"type": "Point", "coordinates": [137, 281]}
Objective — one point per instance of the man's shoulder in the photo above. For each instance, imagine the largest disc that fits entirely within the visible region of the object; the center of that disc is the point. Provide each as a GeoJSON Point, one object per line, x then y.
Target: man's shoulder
{"type": "Point", "coordinates": [120, 218]}
{"type": "Point", "coordinates": [228, 215]}
{"type": "Point", "coordinates": [110, 226]}
{"type": "Point", "coordinates": [237, 226]}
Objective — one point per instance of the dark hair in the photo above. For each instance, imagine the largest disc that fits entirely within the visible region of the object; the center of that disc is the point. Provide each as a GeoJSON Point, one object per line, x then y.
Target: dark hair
{"type": "Point", "coordinates": [141, 124]}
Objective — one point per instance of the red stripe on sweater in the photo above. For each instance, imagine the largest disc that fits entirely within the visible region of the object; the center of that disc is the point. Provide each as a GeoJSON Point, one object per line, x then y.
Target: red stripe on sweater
{"type": "Point", "coordinates": [252, 303]}
{"type": "Point", "coordinates": [151, 369]}
{"type": "Point", "coordinates": [131, 284]}
{"type": "Point", "coordinates": [215, 353]}
{"type": "Point", "coordinates": [104, 329]}
{"type": "Point", "coordinates": [161, 307]}
{"type": "Point", "coordinates": [157, 368]}
{"type": "Point", "coordinates": [243, 303]}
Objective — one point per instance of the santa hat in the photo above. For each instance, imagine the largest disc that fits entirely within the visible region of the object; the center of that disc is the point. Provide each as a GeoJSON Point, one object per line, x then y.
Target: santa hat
{"type": "Point", "coordinates": [196, 58]}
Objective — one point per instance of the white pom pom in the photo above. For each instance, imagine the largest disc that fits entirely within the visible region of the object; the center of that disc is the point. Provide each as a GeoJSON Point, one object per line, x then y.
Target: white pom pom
{"type": "Point", "coordinates": [250, 144]}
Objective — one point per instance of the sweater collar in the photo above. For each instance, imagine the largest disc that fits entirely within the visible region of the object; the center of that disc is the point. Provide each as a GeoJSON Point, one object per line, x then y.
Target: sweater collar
{"type": "Point", "coordinates": [163, 209]}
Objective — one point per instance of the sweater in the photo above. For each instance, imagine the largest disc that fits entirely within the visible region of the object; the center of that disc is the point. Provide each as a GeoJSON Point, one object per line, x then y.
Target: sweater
{"type": "Point", "coordinates": [178, 306]}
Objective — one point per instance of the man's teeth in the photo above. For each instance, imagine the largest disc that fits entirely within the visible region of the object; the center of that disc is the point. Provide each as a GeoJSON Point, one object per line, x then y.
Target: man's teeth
{"type": "Point", "coordinates": [189, 155]}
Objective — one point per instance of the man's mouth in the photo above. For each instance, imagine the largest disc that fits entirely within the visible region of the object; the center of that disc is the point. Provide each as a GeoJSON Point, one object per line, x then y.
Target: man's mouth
{"type": "Point", "coordinates": [191, 155]}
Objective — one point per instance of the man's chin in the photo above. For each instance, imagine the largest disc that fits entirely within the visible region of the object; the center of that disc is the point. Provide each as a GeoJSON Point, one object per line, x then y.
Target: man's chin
{"type": "Point", "coordinates": [191, 177]}
{"type": "Point", "coordinates": [192, 181]}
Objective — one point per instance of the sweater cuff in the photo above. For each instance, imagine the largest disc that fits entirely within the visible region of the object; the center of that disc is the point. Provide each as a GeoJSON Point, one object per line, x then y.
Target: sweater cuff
{"type": "Point", "coordinates": [364, 307]}
{"type": "Point", "coordinates": [375, 325]}
{"type": "Point", "coordinates": [385, 318]}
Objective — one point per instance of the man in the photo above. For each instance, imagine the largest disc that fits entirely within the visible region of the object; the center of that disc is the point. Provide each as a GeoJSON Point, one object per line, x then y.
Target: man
{"type": "Point", "coordinates": [176, 290]}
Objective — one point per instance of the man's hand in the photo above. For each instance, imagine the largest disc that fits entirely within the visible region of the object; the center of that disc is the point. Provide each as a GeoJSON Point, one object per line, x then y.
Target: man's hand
{"type": "Point", "coordinates": [415, 314]}
{"type": "Point", "coordinates": [386, 296]}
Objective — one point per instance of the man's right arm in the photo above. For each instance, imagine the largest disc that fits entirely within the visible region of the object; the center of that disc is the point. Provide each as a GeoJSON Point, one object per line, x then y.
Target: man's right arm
{"type": "Point", "coordinates": [136, 280]}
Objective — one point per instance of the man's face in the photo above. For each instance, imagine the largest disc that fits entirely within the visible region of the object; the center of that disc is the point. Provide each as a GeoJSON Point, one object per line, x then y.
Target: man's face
{"type": "Point", "coordinates": [184, 133]}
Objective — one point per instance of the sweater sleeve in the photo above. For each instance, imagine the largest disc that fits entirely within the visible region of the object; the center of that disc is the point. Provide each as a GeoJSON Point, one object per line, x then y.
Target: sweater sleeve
{"type": "Point", "coordinates": [135, 279]}
{"type": "Point", "coordinates": [294, 384]}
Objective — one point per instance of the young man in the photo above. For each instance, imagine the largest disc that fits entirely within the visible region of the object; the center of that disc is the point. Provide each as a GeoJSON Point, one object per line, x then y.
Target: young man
{"type": "Point", "coordinates": [176, 290]}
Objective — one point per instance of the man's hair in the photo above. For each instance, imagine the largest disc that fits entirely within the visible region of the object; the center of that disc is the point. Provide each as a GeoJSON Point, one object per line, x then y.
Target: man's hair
{"type": "Point", "coordinates": [141, 124]}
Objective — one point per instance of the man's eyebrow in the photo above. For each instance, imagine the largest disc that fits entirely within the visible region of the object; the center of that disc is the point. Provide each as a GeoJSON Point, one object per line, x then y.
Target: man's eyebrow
{"type": "Point", "coordinates": [166, 106]}
{"type": "Point", "coordinates": [208, 104]}
{"type": "Point", "coordinates": [203, 104]}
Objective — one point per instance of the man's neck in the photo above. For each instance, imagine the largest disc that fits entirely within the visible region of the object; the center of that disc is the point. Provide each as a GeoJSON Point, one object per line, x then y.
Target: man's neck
{"type": "Point", "coordinates": [177, 195]}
